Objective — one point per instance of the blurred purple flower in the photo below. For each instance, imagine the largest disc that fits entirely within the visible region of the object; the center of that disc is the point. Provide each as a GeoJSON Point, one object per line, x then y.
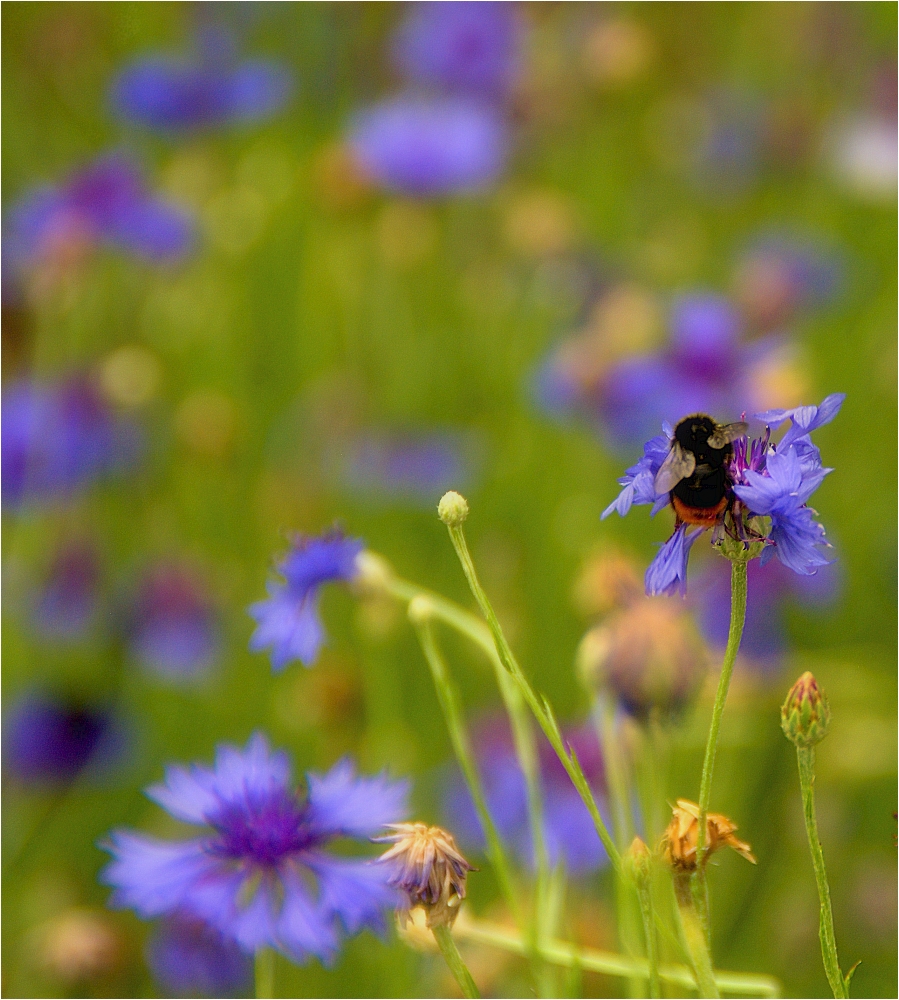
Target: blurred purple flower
{"type": "Point", "coordinates": [473, 47]}
{"type": "Point", "coordinates": [172, 627]}
{"type": "Point", "coordinates": [772, 589]}
{"type": "Point", "coordinates": [705, 367]}
{"type": "Point", "coordinates": [430, 146]}
{"type": "Point", "coordinates": [188, 958]}
{"type": "Point", "coordinates": [413, 467]}
{"type": "Point", "coordinates": [49, 739]}
{"type": "Point", "coordinates": [288, 621]}
{"type": "Point", "coordinates": [568, 829]}
{"type": "Point", "coordinates": [209, 89]}
{"type": "Point", "coordinates": [107, 202]}
{"type": "Point", "coordinates": [67, 605]}
{"type": "Point", "coordinates": [260, 873]}
{"type": "Point", "coordinates": [59, 437]}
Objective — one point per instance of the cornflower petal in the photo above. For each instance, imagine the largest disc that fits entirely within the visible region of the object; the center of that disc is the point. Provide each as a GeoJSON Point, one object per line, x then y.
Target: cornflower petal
{"type": "Point", "coordinates": [342, 804]}
{"type": "Point", "coordinates": [805, 419]}
{"type": "Point", "coordinates": [300, 928]}
{"type": "Point", "coordinates": [356, 891]}
{"type": "Point", "coordinates": [667, 573]}
{"type": "Point", "coordinates": [188, 795]}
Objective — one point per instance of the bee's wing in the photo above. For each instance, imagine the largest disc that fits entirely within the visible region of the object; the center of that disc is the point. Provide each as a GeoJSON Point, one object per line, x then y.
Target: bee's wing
{"type": "Point", "coordinates": [678, 465]}
{"type": "Point", "coordinates": [729, 432]}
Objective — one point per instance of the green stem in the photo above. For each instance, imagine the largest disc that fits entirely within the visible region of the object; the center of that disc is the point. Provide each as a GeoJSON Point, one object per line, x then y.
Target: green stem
{"type": "Point", "coordinates": [735, 633]}
{"type": "Point", "coordinates": [644, 891]}
{"type": "Point", "coordinates": [806, 757]}
{"type": "Point", "coordinates": [448, 696]}
{"type": "Point", "coordinates": [540, 707]}
{"type": "Point", "coordinates": [459, 969]}
{"type": "Point", "coordinates": [265, 973]}
{"type": "Point", "coordinates": [609, 964]}
{"type": "Point", "coordinates": [695, 936]}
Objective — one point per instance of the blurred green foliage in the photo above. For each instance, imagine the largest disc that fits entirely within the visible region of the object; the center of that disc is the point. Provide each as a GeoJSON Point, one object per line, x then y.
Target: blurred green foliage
{"type": "Point", "coordinates": [305, 312]}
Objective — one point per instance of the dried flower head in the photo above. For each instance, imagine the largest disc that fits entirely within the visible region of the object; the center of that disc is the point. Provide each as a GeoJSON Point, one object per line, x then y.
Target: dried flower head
{"type": "Point", "coordinates": [428, 867]}
{"type": "Point", "coordinates": [679, 842]}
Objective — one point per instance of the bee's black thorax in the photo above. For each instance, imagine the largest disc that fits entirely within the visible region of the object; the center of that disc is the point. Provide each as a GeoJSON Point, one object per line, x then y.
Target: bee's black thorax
{"type": "Point", "coordinates": [709, 483]}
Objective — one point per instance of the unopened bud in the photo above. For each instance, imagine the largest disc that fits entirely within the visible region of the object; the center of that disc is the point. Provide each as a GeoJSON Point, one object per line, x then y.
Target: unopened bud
{"type": "Point", "coordinates": [421, 609]}
{"type": "Point", "coordinates": [373, 572]}
{"type": "Point", "coordinates": [805, 715]}
{"type": "Point", "coordinates": [638, 861]}
{"type": "Point", "coordinates": [452, 509]}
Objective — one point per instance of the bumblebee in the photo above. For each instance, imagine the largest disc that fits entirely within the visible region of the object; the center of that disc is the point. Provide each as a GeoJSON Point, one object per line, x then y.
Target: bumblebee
{"type": "Point", "coordinates": [695, 469]}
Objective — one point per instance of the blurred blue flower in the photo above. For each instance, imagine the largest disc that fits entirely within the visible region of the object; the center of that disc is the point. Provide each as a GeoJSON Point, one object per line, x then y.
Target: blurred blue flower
{"type": "Point", "coordinates": [413, 467]}
{"type": "Point", "coordinates": [568, 829]}
{"type": "Point", "coordinates": [705, 367]}
{"type": "Point", "coordinates": [172, 627]}
{"type": "Point", "coordinates": [771, 589]}
{"type": "Point", "coordinates": [58, 438]}
{"type": "Point", "coordinates": [188, 958]}
{"type": "Point", "coordinates": [763, 480]}
{"type": "Point", "coordinates": [209, 89]}
{"type": "Point", "coordinates": [260, 872]}
{"type": "Point", "coordinates": [473, 47]}
{"type": "Point", "coordinates": [289, 621]}
{"type": "Point", "coordinates": [107, 202]}
{"type": "Point", "coordinates": [67, 606]}
{"type": "Point", "coordinates": [430, 146]}
{"type": "Point", "coordinates": [49, 739]}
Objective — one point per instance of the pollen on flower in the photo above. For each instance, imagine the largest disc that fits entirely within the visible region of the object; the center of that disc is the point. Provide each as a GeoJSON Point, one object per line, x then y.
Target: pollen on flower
{"type": "Point", "coordinates": [679, 843]}
{"type": "Point", "coordinates": [426, 864]}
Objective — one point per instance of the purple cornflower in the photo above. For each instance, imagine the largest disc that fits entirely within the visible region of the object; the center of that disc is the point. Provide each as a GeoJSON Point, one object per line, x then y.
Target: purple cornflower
{"type": "Point", "coordinates": [67, 606]}
{"type": "Point", "coordinates": [472, 47]}
{"type": "Point", "coordinates": [762, 480]}
{"type": "Point", "coordinates": [289, 621]}
{"type": "Point", "coordinates": [58, 437]}
{"type": "Point", "coordinates": [568, 829]}
{"type": "Point", "coordinates": [172, 627]}
{"type": "Point", "coordinates": [208, 89]}
{"type": "Point", "coordinates": [260, 872]}
{"type": "Point", "coordinates": [428, 146]}
{"type": "Point", "coordinates": [411, 467]}
{"type": "Point", "coordinates": [188, 958]}
{"type": "Point", "coordinates": [107, 202]}
{"type": "Point", "coordinates": [49, 739]}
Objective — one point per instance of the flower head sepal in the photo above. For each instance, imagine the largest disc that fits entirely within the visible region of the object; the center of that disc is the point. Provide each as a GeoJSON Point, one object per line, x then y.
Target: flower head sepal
{"type": "Point", "coordinates": [805, 715]}
{"type": "Point", "coordinates": [738, 551]}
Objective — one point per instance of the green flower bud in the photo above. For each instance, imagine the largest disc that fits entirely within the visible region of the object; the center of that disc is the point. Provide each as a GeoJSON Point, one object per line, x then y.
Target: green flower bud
{"type": "Point", "coordinates": [638, 861]}
{"type": "Point", "coordinates": [805, 715]}
{"type": "Point", "coordinates": [452, 509]}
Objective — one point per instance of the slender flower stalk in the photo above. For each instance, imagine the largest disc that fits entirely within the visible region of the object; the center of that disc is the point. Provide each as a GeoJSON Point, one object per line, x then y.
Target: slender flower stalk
{"type": "Point", "coordinates": [737, 620]}
{"type": "Point", "coordinates": [639, 865]}
{"type": "Point", "coordinates": [607, 963]}
{"type": "Point", "coordinates": [695, 936]}
{"type": "Point", "coordinates": [265, 973]}
{"type": "Point", "coordinates": [421, 613]}
{"type": "Point", "coordinates": [444, 938]}
{"type": "Point", "coordinates": [451, 513]}
{"type": "Point", "coordinates": [805, 718]}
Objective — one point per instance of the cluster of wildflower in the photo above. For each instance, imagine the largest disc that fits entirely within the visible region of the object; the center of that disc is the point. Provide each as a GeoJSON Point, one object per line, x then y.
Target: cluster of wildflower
{"type": "Point", "coordinates": [764, 481]}
{"type": "Point", "coordinates": [447, 131]}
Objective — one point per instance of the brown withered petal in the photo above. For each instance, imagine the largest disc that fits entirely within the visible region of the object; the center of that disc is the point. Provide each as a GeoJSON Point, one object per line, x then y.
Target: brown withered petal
{"type": "Point", "coordinates": [681, 838]}
{"type": "Point", "coordinates": [426, 864]}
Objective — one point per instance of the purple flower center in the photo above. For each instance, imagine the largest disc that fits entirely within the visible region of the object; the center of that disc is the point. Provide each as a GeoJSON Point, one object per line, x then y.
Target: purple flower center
{"type": "Point", "coordinates": [262, 830]}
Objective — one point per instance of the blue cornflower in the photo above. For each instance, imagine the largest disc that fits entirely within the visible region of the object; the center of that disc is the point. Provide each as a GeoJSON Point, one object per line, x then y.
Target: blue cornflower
{"type": "Point", "coordinates": [260, 872]}
{"type": "Point", "coordinates": [58, 438]}
{"type": "Point", "coordinates": [210, 89]}
{"type": "Point", "coordinates": [568, 829]}
{"type": "Point", "coordinates": [473, 47]}
{"type": "Point", "coordinates": [762, 480]}
{"type": "Point", "coordinates": [172, 627]}
{"type": "Point", "coordinates": [107, 202]}
{"type": "Point", "coordinates": [289, 620]}
{"type": "Point", "coordinates": [50, 739]}
{"type": "Point", "coordinates": [428, 146]}
{"type": "Point", "coordinates": [188, 958]}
